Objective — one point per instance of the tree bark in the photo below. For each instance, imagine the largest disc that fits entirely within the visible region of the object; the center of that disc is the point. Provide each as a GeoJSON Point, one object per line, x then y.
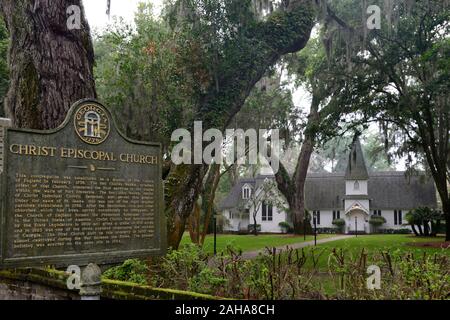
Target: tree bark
{"type": "Point", "coordinates": [208, 197]}
{"type": "Point", "coordinates": [182, 188]}
{"type": "Point", "coordinates": [51, 67]}
{"type": "Point", "coordinates": [294, 189]}
{"type": "Point", "coordinates": [419, 226]}
{"type": "Point", "coordinates": [194, 224]}
{"type": "Point", "coordinates": [413, 227]}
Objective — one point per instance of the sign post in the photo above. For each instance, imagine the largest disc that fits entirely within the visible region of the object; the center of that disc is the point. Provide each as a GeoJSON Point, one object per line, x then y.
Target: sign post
{"type": "Point", "coordinates": [315, 228]}
{"type": "Point", "coordinates": [304, 227]}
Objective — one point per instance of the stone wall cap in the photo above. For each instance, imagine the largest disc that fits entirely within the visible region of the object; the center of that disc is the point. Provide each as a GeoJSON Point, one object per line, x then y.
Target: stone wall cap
{"type": "Point", "coordinates": [5, 122]}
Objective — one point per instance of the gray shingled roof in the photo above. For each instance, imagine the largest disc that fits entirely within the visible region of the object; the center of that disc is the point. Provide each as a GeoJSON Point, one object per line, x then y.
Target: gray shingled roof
{"type": "Point", "coordinates": [326, 191]}
{"type": "Point", "coordinates": [356, 167]}
{"type": "Point", "coordinates": [394, 190]}
{"type": "Point", "coordinates": [387, 190]}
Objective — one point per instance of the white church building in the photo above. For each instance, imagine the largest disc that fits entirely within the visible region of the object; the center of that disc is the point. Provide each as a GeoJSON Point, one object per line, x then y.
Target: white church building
{"type": "Point", "coordinates": [352, 196]}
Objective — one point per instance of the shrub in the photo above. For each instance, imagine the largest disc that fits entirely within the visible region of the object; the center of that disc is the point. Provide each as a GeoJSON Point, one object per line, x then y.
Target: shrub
{"type": "Point", "coordinates": [377, 221]}
{"type": "Point", "coordinates": [340, 224]}
{"type": "Point", "coordinates": [395, 231]}
{"type": "Point", "coordinates": [286, 227]}
{"type": "Point", "coordinates": [292, 274]}
{"type": "Point", "coordinates": [251, 227]}
{"type": "Point", "coordinates": [208, 281]}
{"type": "Point", "coordinates": [326, 230]}
{"type": "Point", "coordinates": [132, 270]}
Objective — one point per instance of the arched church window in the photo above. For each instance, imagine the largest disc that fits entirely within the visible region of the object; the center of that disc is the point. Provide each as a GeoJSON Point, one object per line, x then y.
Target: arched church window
{"type": "Point", "coordinates": [356, 187]}
{"type": "Point", "coordinates": [246, 192]}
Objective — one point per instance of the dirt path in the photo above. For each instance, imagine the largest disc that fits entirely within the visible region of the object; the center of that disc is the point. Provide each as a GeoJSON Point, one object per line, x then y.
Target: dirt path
{"type": "Point", "coordinates": [253, 254]}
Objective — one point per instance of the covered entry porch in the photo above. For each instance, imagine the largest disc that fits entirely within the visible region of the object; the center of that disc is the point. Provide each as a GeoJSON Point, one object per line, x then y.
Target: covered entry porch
{"type": "Point", "coordinates": [357, 220]}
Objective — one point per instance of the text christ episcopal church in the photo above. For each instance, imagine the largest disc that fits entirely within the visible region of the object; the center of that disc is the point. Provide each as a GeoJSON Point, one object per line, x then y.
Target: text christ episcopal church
{"type": "Point", "coordinates": [352, 196]}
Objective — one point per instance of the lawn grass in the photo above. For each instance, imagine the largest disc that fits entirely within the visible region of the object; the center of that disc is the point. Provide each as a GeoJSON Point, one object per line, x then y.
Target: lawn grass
{"type": "Point", "coordinates": [375, 244]}
{"type": "Point", "coordinates": [250, 242]}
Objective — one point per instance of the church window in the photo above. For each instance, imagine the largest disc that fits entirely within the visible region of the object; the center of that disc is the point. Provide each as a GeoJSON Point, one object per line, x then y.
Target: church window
{"type": "Point", "coordinates": [398, 217]}
{"type": "Point", "coordinates": [316, 215]}
{"type": "Point", "coordinates": [267, 212]}
{"type": "Point", "coordinates": [336, 214]}
{"type": "Point", "coordinates": [356, 187]}
{"type": "Point", "coordinates": [246, 192]}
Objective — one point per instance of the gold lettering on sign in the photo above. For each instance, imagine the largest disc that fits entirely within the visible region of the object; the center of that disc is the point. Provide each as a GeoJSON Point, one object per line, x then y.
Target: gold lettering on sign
{"type": "Point", "coordinates": [72, 153]}
{"type": "Point", "coordinates": [31, 150]}
{"type": "Point", "coordinates": [69, 213]}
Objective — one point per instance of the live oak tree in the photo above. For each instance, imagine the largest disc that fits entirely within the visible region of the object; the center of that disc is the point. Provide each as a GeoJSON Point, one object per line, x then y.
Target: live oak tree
{"type": "Point", "coordinates": [50, 64]}
{"type": "Point", "coordinates": [322, 79]}
{"type": "Point", "coordinates": [224, 72]}
{"type": "Point", "coordinates": [398, 76]}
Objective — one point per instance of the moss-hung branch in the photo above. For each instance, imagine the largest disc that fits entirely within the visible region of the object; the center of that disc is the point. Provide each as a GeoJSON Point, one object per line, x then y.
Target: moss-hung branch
{"type": "Point", "coordinates": [228, 73]}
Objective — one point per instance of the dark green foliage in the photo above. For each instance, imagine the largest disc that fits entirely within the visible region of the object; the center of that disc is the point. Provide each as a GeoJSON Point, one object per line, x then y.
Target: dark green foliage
{"type": "Point", "coordinates": [340, 224]}
{"type": "Point", "coordinates": [133, 270]}
{"type": "Point", "coordinates": [395, 231]}
{"type": "Point", "coordinates": [286, 226]}
{"type": "Point", "coordinates": [421, 219]}
{"type": "Point", "coordinates": [398, 76]}
{"type": "Point", "coordinates": [293, 274]}
{"type": "Point", "coordinates": [377, 221]}
{"type": "Point", "coordinates": [136, 74]}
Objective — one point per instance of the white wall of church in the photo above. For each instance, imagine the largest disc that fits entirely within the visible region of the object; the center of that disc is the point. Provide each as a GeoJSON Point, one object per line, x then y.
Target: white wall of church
{"type": "Point", "coordinates": [234, 223]}
{"type": "Point", "coordinates": [351, 190]}
{"type": "Point", "coordinates": [271, 226]}
{"type": "Point", "coordinates": [326, 219]}
{"type": "Point", "coordinates": [390, 221]}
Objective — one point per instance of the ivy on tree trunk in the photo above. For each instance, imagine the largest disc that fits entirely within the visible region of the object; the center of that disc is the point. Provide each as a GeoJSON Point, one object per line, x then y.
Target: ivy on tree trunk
{"type": "Point", "coordinates": [284, 31]}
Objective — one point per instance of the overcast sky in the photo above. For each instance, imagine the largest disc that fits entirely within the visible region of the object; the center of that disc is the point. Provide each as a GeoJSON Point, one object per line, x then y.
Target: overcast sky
{"type": "Point", "coordinates": [96, 10]}
{"type": "Point", "coordinates": [96, 14]}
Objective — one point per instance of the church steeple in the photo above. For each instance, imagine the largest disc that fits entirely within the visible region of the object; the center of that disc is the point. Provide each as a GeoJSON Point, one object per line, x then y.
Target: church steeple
{"type": "Point", "coordinates": [356, 167]}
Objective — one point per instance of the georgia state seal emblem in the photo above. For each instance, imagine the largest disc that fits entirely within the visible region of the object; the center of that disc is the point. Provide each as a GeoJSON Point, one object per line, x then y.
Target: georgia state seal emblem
{"type": "Point", "coordinates": [92, 123]}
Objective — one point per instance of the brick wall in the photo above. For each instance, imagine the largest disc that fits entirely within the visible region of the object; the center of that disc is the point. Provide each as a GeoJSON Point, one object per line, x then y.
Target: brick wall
{"type": "Point", "coordinates": [25, 290]}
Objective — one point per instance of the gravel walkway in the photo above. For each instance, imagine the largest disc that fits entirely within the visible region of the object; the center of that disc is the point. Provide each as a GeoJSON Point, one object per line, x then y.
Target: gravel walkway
{"type": "Point", "coordinates": [253, 254]}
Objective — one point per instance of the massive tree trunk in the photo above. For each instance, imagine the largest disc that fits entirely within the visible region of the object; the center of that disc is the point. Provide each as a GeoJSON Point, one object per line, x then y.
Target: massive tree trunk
{"type": "Point", "coordinates": [220, 102]}
{"type": "Point", "coordinates": [51, 67]}
{"type": "Point", "coordinates": [294, 188]}
{"type": "Point", "coordinates": [182, 188]}
{"type": "Point", "coordinates": [208, 197]}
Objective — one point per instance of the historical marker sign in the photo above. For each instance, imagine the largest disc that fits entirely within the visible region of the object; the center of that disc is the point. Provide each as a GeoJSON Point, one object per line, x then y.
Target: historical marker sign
{"type": "Point", "coordinates": [81, 193]}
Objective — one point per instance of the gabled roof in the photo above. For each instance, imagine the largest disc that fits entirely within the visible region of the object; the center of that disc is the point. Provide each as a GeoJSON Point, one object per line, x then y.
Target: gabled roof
{"type": "Point", "coordinates": [356, 167]}
{"type": "Point", "coordinates": [387, 191]}
{"type": "Point", "coordinates": [234, 198]}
